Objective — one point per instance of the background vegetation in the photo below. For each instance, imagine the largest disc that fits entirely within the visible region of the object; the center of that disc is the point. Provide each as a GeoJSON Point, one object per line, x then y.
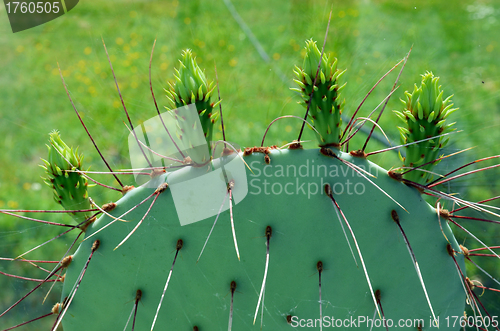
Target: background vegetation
{"type": "Point", "coordinates": [255, 45]}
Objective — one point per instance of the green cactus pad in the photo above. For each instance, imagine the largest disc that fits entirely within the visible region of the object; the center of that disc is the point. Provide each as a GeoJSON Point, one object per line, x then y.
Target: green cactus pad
{"type": "Point", "coordinates": [325, 106]}
{"type": "Point", "coordinates": [424, 116]}
{"type": "Point", "coordinates": [288, 196]}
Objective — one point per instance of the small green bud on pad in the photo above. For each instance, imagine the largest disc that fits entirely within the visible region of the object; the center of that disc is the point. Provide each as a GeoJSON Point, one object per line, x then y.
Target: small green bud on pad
{"type": "Point", "coordinates": [69, 186]}
{"type": "Point", "coordinates": [424, 116]}
{"type": "Point", "coordinates": [191, 87]}
{"type": "Point", "coordinates": [324, 103]}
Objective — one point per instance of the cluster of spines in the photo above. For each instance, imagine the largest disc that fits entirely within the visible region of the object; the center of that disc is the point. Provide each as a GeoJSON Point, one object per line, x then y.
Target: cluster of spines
{"type": "Point", "coordinates": [69, 186]}
{"type": "Point", "coordinates": [424, 115]}
{"type": "Point", "coordinates": [192, 87]}
{"type": "Point", "coordinates": [323, 101]}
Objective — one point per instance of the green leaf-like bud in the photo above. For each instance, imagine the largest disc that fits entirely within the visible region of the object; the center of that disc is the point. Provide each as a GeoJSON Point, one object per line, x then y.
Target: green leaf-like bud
{"type": "Point", "coordinates": [69, 186]}
{"type": "Point", "coordinates": [192, 87]}
{"type": "Point", "coordinates": [424, 115]}
{"type": "Point", "coordinates": [325, 104]}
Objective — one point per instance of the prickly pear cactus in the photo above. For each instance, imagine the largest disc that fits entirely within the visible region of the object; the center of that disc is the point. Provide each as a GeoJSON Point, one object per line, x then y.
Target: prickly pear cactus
{"type": "Point", "coordinates": [268, 238]}
{"type": "Point", "coordinates": [306, 240]}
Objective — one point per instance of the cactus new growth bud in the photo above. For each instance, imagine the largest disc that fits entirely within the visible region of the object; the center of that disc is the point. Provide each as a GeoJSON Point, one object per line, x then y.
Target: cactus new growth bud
{"type": "Point", "coordinates": [324, 102]}
{"type": "Point", "coordinates": [69, 186]}
{"type": "Point", "coordinates": [192, 87]}
{"type": "Point", "coordinates": [424, 115]}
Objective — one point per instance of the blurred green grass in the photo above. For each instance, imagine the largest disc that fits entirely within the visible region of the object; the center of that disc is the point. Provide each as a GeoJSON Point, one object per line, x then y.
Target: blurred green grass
{"type": "Point", "coordinates": [457, 42]}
